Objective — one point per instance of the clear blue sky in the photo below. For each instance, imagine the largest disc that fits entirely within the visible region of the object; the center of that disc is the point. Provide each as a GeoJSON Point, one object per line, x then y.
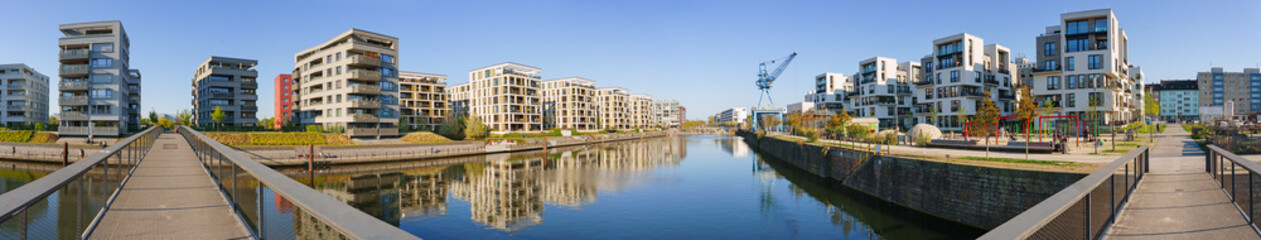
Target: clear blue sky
{"type": "Point", "coordinates": [702, 53]}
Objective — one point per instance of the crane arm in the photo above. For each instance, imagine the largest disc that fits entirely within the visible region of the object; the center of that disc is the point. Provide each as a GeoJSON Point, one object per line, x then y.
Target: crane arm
{"type": "Point", "coordinates": [781, 67]}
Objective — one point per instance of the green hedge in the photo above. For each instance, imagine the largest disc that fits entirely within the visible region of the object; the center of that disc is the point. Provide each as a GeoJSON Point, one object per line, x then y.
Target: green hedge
{"type": "Point", "coordinates": [16, 136]}
{"type": "Point", "coordinates": [286, 139]}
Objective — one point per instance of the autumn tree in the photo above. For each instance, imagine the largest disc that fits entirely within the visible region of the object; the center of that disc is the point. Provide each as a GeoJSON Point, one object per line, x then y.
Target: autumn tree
{"type": "Point", "coordinates": [1026, 110]}
{"type": "Point", "coordinates": [474, 128]}
{"type": "Point", "coordinates": [217, 115]}
{"type": "Point", "coordinates": [988, 116]}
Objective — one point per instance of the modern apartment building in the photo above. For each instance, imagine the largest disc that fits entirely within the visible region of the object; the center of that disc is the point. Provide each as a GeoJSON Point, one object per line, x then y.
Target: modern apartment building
{"type": "Point", "coordinates": [423, 100]}
{"type": "Point", "coordinates": [613, 108]}
{"type": "Point", "coordinates": [666, 113]}
{"type": "Point", "coordinates": [229, 84]}
{"type": "Point", "coordinates": [283, 100]}
{"type": "Point", "coordinates": [504, 96]}
{"type": "Point", "coordinates": [349, 82]}
{"type": "Point", "coordinates": [883, 91]}
{"type": "Point", "coordinates": [641, 111]}
{"type": "Point", "coordinates": [733, 115]}
{"type": "Point", "coordinates": [1084, 70]}
{"type": "Point", "coordinates": [26, 95]}
{"type": "Point", "coordinates": [956, 76]}
{"type": "Point", "coordinates": [569, 103]}
{"type": "Point", "coordinates": [99, 91]}
{"type": "Point", "coordinates": [1218, 87]}
{"type": "Point", "coordinates": [1179, 100]}
{"type": "Point", "coordinates": [831, 92]}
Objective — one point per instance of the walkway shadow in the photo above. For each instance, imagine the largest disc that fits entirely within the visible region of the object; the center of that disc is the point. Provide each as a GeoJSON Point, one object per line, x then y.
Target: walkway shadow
{"type": "Point", "coordinates": [1189, 148]}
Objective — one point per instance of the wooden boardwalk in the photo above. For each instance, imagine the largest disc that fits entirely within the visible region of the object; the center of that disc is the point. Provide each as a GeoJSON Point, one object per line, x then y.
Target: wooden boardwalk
{"type": "Point", "coordinates": [1178, 200]}
{"type": "Point", "coordinates": [170, 196]}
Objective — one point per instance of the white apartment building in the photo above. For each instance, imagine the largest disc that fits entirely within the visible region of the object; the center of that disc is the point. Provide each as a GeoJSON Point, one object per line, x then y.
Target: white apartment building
{"type": "Point", "coordinates": [641, 111]}
{"type": "Point", "coordinates": [883, 91]}
{"type": "Point", "coordinates": [569, 103]}
{"type": "Point", "coordinates": [666, 113]}
{"type": "Point", "coordinates": [349, 81]}
{"type": "Point", "coordinates": [422, 100]}
{"type": "Point", "coordinates": [504, 96]}
{"type": "Point", "coordinates": [800, 107]}
{"type": "Point", "coordinates": [1084, 70]}
{"type": "Point", "coordinates": [613, 108]}
{"type": "Point", "coordinates": [733, 115]}
{"type": "Point", "coordinates": [26, 95]}
{"type": "Point", "coordinates": [956, 76]}
{"type": "Point", "coordinates": [99, 91]}
{"type": "Point", "coordinates": [831, 92]}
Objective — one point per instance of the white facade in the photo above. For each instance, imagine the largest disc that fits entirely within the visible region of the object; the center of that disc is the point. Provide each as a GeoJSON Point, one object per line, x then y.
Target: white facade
{"type": "Point", "coordinates": [831, 92]}
{"type": "Point", "coordinates": [800, 107]}
{"type": "Point", "coordinates": [666, 113]}
{"type": "Point", "coordinates": [26, 98]}
{"type": "Point", "coordinates": [883, 91]}
{"type": "Point", "coordinates": [1084, 70]}
{"type": "Point", "coordinates": [349, 81]}
{"type": "Point", "coordinates": [733, 115]}
{"type": "Point", "coordinates": [506, 97]}
{"type": "Point", "coordinates": [569, 103]}
{"type": "Point", "coordinates": [956, 76]}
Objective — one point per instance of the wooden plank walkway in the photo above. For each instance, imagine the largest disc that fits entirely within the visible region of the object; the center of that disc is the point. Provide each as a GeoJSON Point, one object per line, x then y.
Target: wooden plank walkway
{"type": "Point", "coordinates": [170, 196]}
{"type": "Point", "coordinates": [1178, 200]}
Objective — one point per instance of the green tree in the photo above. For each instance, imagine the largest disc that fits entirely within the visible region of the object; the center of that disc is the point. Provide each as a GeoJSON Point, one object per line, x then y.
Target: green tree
{"type": "Point", "coordinates": [961, 117]}
{"type": "Point", "coordinates": [39, 126]}
{"type": "Point", "coordinates": [217, 115]}
{"type": "Point", "coordinates": [1026, 110]}
{"type": "Point", "coordinates": [474, 128]}
{"type": "Point", "coordinates": [1151, 108]}
{"type": "Point", "coordinates": [769, 121]}
{"type": "Point", "coordinates": [452, 128]}
{"type": "Point", "coordinates": [988, 116]}
{"type": "Point", "coordinates": [53, 121]}
{"type": "Point", "coordinates": [153, 117]}
{"type": "Point", "coordinates": [185, 116]}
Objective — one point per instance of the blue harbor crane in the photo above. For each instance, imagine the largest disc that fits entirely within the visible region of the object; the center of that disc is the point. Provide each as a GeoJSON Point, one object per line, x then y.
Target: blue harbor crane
{"type": "Point", "coordinates": [764, 81]}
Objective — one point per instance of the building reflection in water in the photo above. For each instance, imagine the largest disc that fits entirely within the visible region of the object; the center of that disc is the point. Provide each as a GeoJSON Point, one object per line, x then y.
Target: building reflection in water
{"type": "Point", "coordinates": [508, 192]}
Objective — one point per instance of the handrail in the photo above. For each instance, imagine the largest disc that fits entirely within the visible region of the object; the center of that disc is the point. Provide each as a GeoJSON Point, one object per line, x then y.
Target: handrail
{"type": "Point", "coordinates": [347, 220]}
{"type": "Point", "coordinates": [133, 148]}
{"type": "Point", "coordinates": [1215, 160]}
{"type": "Point", "coordinates": [1031, 222]}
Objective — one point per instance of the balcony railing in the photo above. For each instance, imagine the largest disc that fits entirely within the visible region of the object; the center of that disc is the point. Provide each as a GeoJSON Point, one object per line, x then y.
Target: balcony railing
{"type": "Point", "coordinates": [365, 104]}
{"type": "Point", "coordinates": [74, 54]}
{"type": "Point", "coordinates": [65, 130]}
{"type": "Point", "coordinates": [74, 100]}
{"type": "Point", "coordinates": [220, 94]}
{"type": "Point", "coordinates": [249, 108]}
{"type": "Point", "coordinates": [363, 117]}
{"type": "Point", "coordinates": [358, 74]}
{"type": "Point", "coordinates": [249, 83]}
{"type": "Point", "coordinates": [365, 89]}
{"type": "Point", "coordinates": [74, 69]}
{"type": "Point", "coordinates": [16, 107]}
{"type": "Point", "coordinates": [73, 115]}
{"type": "Point", "coordinates": [365, 60]}
{"type": "Point", "coordinates": [74, 85]}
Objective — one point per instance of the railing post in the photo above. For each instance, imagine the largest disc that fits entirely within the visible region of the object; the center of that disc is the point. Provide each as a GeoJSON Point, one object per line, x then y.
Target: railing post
{"type": "Point", "coordinates": [23, 224]}
{"type": "Point", "coordinates": [1087, 204]}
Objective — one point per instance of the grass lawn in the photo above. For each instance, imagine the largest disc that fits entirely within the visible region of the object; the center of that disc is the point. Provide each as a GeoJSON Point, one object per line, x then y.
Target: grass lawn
{"type": "Point", "coordinates": [1013, 160]}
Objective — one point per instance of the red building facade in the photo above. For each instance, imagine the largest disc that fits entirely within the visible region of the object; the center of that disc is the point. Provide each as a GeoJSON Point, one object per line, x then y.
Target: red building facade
{"type": "Point", "coordinates": [283, 96]}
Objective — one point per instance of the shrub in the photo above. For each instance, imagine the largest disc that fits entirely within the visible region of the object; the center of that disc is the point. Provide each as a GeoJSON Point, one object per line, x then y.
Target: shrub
{"type": "Point", "coordinates": [922, 140]}
{"type": "Point", "coordinates": [43, 137]}
{"type": "Point", "coordinates": [314, 128]}
{"type": "Point", "coordinates": [286, 139]}
{"type": "Point", "coordinates": [230, 138]}
{"type": "Point", "coordinates": [335, 129]}
{"type": "Point", "coordinates": [423, 137]}
{"type": "Point", "coordinates": [811, 135]}
{"type": "Point", "coordinates": [337, 139]}
{"type": "Point", "coordinates": [16, 136]}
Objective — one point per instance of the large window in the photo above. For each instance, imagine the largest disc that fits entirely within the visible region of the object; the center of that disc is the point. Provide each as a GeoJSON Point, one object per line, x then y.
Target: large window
{"type": "Point", "coordinates": [220, 78]}
{"type": "Point", "coordinates": [1094, 61]}
{"type": "Point", "coordinates": [1048, 49]}
{"type": "Point", "coordinates": [102, 62]}
{"type": "Point", "coordinates": [1068, 63]}
{"type": "Point", "coordinates": [1077, 45]}
{"type": "Point", "coordinates": [103, 47]}
{"type": "Point", "coordinates": [1052, 82]}
{"type": "Point", "coordinates": [1072, 100]}
{"type": "Point", "coordinates": [1072, 82]}
{"type": "Point", "coordinates": [386, 58]}
{"type": "Point", "coordinates": [103, 93]}
{"type": "Point", "coordinates": [1101, 25]}
{"type": "Point", "coordinates": [1076, 27]}
{"type": "Point", "coordinates": [102, 78]}
{"type": "Point", "coordinates": [954, 76]}
{"type": "Point", "coordinates": [1051, 66]}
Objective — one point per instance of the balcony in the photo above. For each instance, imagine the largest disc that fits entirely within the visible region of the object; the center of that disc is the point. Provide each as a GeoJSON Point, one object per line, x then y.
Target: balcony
{"type": "Point", "coordinates": [359, 74]}
{"type": "Point", "coordinates": [74, 100]}
{"type": "Point", "coordinates": [17, 108]}
{"type": "Point", "coordinates": [363, 117]}
{"type": "Point", "coordinates": [249, 84]}
{"type": "Point", "coordinates": [364, 60]}
{"type": "Point", "coordinates": [924, 83]}
{"type": "Point", "coordinates": [17, 86]}
{"type": "Point", "coordinates": [249, 108]}
{"type": "Point", "coordinates": [74, 70]}
{"type": "Point", "coordinates": [219, 94]}
{"type": "Point", "coordinates": [66, 130]}
{"type": "Point", "coordinates": [989, 79]}
{"type": "Point", "coordinates": [365, 104]}
{"type": "Point", "coordinates": [363, 132]}
{"type": "Point", "coordinates": [365, 89]}
{"type": "Point", "coordinates": [74, 55]}
{"type": "Point", "coordinates": [73, 115]}
{"type": "Point", "coordinates": [1057, 68]}
{"type": "Point", "coordinates": [73, 86]}
{"type": "Point", "coordinates": [1006, 95]}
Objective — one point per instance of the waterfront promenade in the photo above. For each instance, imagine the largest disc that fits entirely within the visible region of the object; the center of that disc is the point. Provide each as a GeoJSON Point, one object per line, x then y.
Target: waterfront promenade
{"type": "Point", "coordinates": [170, 196]}
{"type": "Point", "coordinates": [1178, 199]}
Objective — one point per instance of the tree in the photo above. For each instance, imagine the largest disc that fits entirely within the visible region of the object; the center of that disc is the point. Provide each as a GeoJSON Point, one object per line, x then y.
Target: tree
{"type": "Point", "coordinates": [769, 121]}
{"type": "Point", "coordinates": [185, 116]}
{"type": "Point", "coordinates": [839, 121]}
{"type": "Point", "coordinates": [1047, 109]}
{"type": "Point", "coordinates": [166, 123]}
{"type": "Point", "coordinates": [53, 121]}
{"type": "Point", "coordinates": [1026, 110]}
{"type": "Point", "coordinates": [793, 120]}
{"type": "Point", "coordinates": [474, 128]}
{"type": "Point", "coordinates": [452, 128]}
{"type": "Point", "coordinates": [153, 117]}
{"type": "Point", "coordinates": [961, 117]}
{"type": "Point", "coordinates": [1152, 109]}
{"type": "Point", "coordinates": [988, 116]}
{"type": "Point", "coordinates": [218, 115]}
{"type": "Point", "coordinates": [265, 123]}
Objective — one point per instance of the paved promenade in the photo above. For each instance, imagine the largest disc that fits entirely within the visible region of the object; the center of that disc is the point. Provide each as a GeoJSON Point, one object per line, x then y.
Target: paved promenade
{"type": "Point", "coordinates": [170, 196]}
{"type": "Point", "coordinates": [1178, 200]}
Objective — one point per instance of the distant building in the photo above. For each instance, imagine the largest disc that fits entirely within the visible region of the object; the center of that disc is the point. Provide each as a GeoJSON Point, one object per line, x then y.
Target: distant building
{"type": "Point", "coordinates": [228, 84]}
{"type": "Point", "coordinates": [641, 111]}
{"type": "Point", "coordinates": [733, 115]}
{"type": "Point", "coordinates": [883, 91]}
{"type": "Point", "coordinates": [422, 100]}
{"type": "Point", "coordinates": [569, 103]}
{"type": "Point", "coordinates": [1218, 87]}
{"type": "Point", "coordinates": [283, 100]}
{"type": "Point", "coordinates": [831, 92]}
{"type": "Point", "coordinates": [666, 113]}
{"type": "Point", "coordinates": [1179, 99]}
{"type": "Point", "coordinates": [26, 101]}
{"type": "Point", "coordinates": [682, 114]}
{"type": "Point", "coordinates": [504, 96]}
{"type": "Point", "coordinates": [349, 82]}
{"type": "Point", "coordinates": [800, 107]}
{"type": "Point", "coordinates": [613, 107]}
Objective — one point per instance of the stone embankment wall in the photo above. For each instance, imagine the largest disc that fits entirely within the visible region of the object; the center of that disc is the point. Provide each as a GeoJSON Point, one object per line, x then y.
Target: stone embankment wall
{"type": "Point", "coordinates": [977, 196]}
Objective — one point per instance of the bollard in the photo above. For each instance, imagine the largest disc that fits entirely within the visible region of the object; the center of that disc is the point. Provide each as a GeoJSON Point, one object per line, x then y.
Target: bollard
{"type": "Point", "coordinates": [65, 154]}
{"type": "Point", "coordinates": [310, 164]}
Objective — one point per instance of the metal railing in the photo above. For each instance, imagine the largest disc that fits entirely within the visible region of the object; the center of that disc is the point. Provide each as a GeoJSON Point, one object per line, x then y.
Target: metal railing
{"type": "Point", "coordinates": [1083, 210]}
{"type": "Point", "coordinates": [1237, 177]}
{"type": "Point", "coordinates": [87, 187]}
{"type": "Point", "coordinates": [246, 184]}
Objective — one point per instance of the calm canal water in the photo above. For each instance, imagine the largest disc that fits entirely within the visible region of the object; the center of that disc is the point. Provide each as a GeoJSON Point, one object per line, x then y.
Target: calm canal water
{"type": "Point", "coordinates": [699, 187]}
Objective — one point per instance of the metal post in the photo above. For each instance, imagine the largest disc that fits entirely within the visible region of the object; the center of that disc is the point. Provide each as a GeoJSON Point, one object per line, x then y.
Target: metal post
{"type": "Point", "coordinates": [310, 164]}
{"type": "Point", "coordinates": [23, 224]}
{"type": "Point", "coordinates": [1232, 181]}
{"type": "Point", "coordinates": [261, 228]}
{"type": "Point", "coordinates": [234, 193]}
{"type": "Point", "coordinates": [1250, 206]}
{"type": "Point", "coordinates": [65, 154]}
{"type": "Point", "coordinates": [1087, 216]}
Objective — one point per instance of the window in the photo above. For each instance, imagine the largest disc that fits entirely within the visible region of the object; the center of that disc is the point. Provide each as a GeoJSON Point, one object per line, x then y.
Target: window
{"type": "Point", "coordinates": [1076, 27]}
{"type": "Point", "coordinates": [386, 58]}
{"type": "Point", "coordinates": [103, 47]}
{"type": "Point", "coordinates": [1096, 99]}
{"type": "Point", "coordinates": [339, 68]}
{"type": "Point", "coordinates": [1072, 100]}
{"type": "Point", "coordinates": [1068, 63]}
{"type": "Point", "coordinates": [1052, 65]}
{"type": "Point", "coordinates": [1072, 82]}
{"type": "Point", "coordinates": [1048, 49]}
{"type": "Point", "coordinates": [1076, 45]}
{"type": "Point", "coordinates": [954, 76]}
{"type": "Point", "coordinates": [104, 93]}
{"type": "Point", "coordinates": [1052, 82]}
{"type": "Point", "coordinates": [339, 56]}
{"type": "Point", "coordinates": [1093, 61]}
{"type": "Point", "coordinates": [102, 78]}
{"type": "Point", "coordinates": [1101, 25]}
{"type": "Point", "coordinates": [102, 62]}
{"type": "Point", "coordinates": [220, 78]}
{"type": "Point", "coordinates": [102, 109]}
